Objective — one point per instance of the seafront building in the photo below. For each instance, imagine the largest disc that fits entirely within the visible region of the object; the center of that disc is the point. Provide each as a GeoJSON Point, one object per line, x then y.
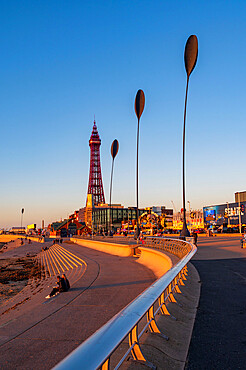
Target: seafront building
{"type": "Point", "coordinates": [194, 219]}
{"type": "Point", "coordinates": [228, 216]}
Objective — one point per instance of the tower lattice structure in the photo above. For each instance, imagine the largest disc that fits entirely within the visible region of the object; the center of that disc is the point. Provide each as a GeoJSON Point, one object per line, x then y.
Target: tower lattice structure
{"type": "Point", "coordinates": [95, 185]}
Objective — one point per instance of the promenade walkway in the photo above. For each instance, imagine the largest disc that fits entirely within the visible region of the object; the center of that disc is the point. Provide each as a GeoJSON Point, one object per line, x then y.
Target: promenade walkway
{"type": "Point", "coordinates": [219, 335]}
{"type": "Point", "coordinates": [40, 332]}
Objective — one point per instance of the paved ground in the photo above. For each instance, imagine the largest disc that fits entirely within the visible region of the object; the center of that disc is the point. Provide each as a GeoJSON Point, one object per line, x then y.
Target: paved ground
{"type": "Point", "coordinates": [46, 330]}
{"type": "Point", "coordinates": [39, 333]}
{"type": "Point", "coordinates": [219, 335]}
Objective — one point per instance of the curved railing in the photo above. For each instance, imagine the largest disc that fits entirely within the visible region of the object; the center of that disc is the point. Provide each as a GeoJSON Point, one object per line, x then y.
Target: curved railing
{"type": "Point", "coordinates": [178, 247]}
{"type": "Point", "coordinates": [96, 351]}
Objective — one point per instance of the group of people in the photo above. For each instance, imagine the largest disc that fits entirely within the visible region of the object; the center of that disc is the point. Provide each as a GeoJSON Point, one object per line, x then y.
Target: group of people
{"type": "Point", "coordinates": [56, 241]}
{"type": "Point", "coordinates": [62, 285]}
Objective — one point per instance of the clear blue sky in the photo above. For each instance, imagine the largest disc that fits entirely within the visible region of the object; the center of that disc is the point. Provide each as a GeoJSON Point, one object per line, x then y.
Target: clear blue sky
{"type": "Point", "coordinates": [62, 62]}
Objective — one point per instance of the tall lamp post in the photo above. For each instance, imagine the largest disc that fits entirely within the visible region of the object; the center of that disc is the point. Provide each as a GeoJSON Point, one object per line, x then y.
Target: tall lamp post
{"type": "Point", "coordinates": [114, 151]}
{"type": "Point", "coordinates": [22, 211]}
{"type": "Point", "coordinates": [189, 222]}
{"type": "Point", "coordinates": [228, 212]}
{"type": "Point", "coordinates": [190, 58]}
{"type": "Point", "coordinates": [139, 107]}
{"type": "Point", "coordinates": [239, 214]}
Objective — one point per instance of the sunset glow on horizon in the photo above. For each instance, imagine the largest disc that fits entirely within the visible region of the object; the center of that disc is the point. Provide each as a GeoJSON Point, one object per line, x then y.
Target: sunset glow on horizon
{"type": "Point", "coordinates": [62, 63]}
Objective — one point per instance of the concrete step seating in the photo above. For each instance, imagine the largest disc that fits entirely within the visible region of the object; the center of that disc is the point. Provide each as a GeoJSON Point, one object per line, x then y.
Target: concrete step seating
{"type": "Point", "coordinates": [57, 260]}
{"type": "Point", "coordinates": [54, 261]}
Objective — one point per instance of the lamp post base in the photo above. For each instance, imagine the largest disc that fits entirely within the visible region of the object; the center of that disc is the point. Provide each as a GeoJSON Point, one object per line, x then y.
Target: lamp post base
{"type": "Point", "coordinates": [185, 231]}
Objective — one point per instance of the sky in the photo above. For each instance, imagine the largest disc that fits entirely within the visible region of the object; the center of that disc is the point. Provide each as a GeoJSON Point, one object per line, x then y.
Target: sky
{"type": "Point", "coordinates": [64, 62]}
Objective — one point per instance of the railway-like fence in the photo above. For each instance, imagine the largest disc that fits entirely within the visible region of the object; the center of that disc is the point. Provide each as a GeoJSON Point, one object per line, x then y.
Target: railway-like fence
{"type": "Point", "coordinates": [96, 351]}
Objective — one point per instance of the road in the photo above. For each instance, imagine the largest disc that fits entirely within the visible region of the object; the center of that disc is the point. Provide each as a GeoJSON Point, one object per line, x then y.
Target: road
{"type": "Point", "coordinates": [219, 335]}
{"type": "Point", "coordinates": [39, 333]}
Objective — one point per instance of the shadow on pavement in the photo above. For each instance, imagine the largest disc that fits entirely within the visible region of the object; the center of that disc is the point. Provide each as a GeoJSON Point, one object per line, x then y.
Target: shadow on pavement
{"type": "Point", "coordinates": [127, 283]}
{"type": "Point", "coordinates": [219, 335]}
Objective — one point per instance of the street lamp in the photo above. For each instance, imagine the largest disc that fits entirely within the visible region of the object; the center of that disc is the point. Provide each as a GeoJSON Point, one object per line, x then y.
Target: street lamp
{"type": "Point", "coordinates": [139, 107]}
{"type": "Point", "coordinates": [239, 214]}
{"type": "Point", "coordinates": [189, 221]}
{"type": "Point", "coordinates": [190, 58]}
{"type": "Point", "coordinates": [114, 151]}
{"type": "Point", "coordinates": [228, 213]}
{"type": "Point", "coordinates": [22, 211]}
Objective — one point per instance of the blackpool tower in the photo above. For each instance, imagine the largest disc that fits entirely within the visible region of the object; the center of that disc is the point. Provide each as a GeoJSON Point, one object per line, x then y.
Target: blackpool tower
{"type": "Point", "coordinates": [95, 186]}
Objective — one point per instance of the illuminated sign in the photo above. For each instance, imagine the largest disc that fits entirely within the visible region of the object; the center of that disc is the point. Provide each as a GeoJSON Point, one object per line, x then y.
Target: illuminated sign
{"type": "Point", "coordinates": [225, 214]}
{"type": "Point", "coordinates": [234, 211]}
{"type": "Point", "coordinates": [32, 226]}
{"type": "Point", "coordinates": [210, 214]}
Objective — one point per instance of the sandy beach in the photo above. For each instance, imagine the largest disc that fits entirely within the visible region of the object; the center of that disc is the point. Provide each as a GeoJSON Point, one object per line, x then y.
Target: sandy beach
{"type": "Point", "coordinates": [18, 264]}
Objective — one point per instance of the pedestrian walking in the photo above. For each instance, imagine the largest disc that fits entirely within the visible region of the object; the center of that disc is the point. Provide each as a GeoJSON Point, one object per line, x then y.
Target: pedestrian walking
{"type": "Point", "coordinates": [195, 238]}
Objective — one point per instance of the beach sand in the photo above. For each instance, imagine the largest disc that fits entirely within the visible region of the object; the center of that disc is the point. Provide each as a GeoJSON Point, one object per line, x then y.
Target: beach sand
{"type": "Point", "coordinates": [17, 265]}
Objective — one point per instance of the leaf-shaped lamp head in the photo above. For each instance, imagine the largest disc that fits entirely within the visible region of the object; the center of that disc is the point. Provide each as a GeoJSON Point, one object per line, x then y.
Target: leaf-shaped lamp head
{"type": "Point", "coordinates": [190, 55]}
{"type": "Point", "coordinates": [114, 148]}
{"type": "Point", "coordinates": [139, 103]}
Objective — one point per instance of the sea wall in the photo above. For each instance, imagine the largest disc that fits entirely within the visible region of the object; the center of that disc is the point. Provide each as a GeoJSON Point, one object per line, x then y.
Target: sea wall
{"type": "Point", "coordinates": [122, 250]}
{"type": "Point", "coordinates": [5, 238]}
{"type": "Point", "coordinates": [156, 261]}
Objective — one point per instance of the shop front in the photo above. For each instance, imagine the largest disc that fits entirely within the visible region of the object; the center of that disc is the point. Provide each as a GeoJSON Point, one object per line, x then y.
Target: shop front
{"type": "Point", "coordinates": [225, 217]}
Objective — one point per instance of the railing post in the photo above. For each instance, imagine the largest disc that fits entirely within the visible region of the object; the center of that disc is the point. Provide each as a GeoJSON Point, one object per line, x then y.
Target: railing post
{"type": "Point", "coordinates": [163, 306]}
{"type": "Point", "coordinates": [181, 279]}
{"type": "Point", "coordinates": [152, 323]}
{"type": "Point", "coordinates": [176, 287]}
{"type": "Point", "coordinates": [136, 350]}
{"type": "Point", "coordinates": [133, 341]}
{"type": "Point", "coordinates": [183, 274]}
{"type": "Point", "coordinates": [105, 365]}
{"type": "Point", "coordinates": [171, 296]}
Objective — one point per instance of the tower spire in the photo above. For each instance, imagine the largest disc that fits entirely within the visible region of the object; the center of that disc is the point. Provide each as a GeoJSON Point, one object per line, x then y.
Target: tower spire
{"type": "Point", "coordinates": [95, 185]}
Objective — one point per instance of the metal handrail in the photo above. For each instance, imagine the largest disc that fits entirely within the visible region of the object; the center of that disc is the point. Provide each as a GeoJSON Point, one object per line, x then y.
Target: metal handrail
{"type": "Point", "coordinates": [95, 352]}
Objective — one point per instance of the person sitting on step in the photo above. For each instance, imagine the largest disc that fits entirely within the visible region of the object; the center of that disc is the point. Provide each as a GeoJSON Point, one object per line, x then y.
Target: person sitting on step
{"type": "Point", "coordinates": [66, 281]}
{"type": "Point", "coordinates": [60, 287]}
